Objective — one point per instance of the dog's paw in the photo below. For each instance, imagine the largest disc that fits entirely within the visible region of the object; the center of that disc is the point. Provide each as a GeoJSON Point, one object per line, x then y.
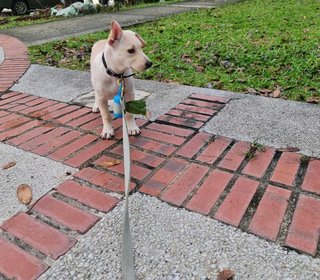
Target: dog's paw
{"type": "Point", "coordinates": [134, 131]}
{"type": "Point", "coordinates": [107, 133]}
{"type": "Point", "coordinates": [95, 109]}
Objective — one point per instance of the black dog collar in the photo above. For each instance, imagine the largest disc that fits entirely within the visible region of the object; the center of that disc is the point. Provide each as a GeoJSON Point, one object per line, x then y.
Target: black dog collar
{"type": "Point", "coordinates": [112, 73]}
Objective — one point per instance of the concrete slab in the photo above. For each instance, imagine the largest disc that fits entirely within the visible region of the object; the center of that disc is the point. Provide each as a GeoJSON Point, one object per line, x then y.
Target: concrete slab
{"type": "Point", "coordinates": [172, 243]}
{"type": "Point", "coordinates": [273, 122]}
{"type": "Point", "coordinates": [54, 83]}
{"type": "Point", "coordinates": [40, 173]}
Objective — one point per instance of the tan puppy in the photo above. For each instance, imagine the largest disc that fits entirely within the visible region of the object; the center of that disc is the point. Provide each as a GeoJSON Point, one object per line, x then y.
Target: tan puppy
{"type": "Point", "coordinates": [112, 59]}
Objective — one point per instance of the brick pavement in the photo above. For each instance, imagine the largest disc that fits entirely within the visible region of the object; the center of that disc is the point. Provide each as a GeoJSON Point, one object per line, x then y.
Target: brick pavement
{"type": "Point", "coordinates": [271, 193]}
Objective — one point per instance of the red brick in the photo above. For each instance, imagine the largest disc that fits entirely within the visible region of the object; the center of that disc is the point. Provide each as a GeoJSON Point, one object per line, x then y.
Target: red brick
{"type": "Point", "coordinates": [195, 109]}
{"type": "Point", "coordinates": [9, 94]}
{"type": "Point", "coordinates": [32, 144]}
{"type": "Point", "coordinates": [311, 180]}
{"type": "Point", "coordinates": [137, 172]}
{"type": "Point", "coordinates": [140, 156]}
{"type": "Point", "coordinates": [36, 101]}
{"type": "Point", "coordinates": [152, 145]}
{"type": "Point", "coordinates": [203, 104]}
{"type": "Point", "coordinates": [93, 124]}
{"type": "Point", "coordinates": [13, 123]}
{"type": "Point", "coordinates": [237, 201]}
{"type": "Point", "coordinates": [39, 107]}
{"type": "Point", "coordinates": [93, 198]}
{"type": "Point", "coordinates": [44, 238]}
{"type": "Point", "coordinates": [235, 156]}
{"type": "Point", "coordinates": [286, 169]}
{"type": "Point", "coordinates": [18, 130]}
{"type": "Point", "coordinates": [15, 263]}
{"type": "Point", "coordinates": [214, 150]}
{"type": "Point", "coordinates": [7, 118]}
{"type": "Point", "coordinates": [89, 152]}
{"type": "Point", "coordinates": [103, 179]}
{"type": "Point", "coordinates": [73, 115]}
{"type": "Point", "coordinates": [164, 137]}
{"type": "Point", "coordinates": [185, 184]}
{"type": "Point", "coordinates": [84, 119]}
{"type": "Point", "coordinates": [2, 114]}
{"type": "Point", "coordinates": [53, 144]}
{"type": "Point", "coordinates": [48, 116]}
{"type": "Point", "coordinates": [209, 192]}
{"type": "Point", "coordinates": [210, 98]}
{"type": "Point", "coordinates": [188, 115]}
{"type": "Point", "coordinates": [30, 134]}
{"type": "Point", "coordinates": [40, 113]}
{"type": "Point", "coordinates": [258, 165]}
{"type": "Point", "coordinates": [304, 230]}
{"type": "Point", "coordinates": [26, 99]}
{"type": "Point", "coordinates": [161, 179]}
{"type": "Point", "coordinates": [190, 123]}
{"type": "Point", "coordinates": [194, 145]}
{"type": "Point", "coordinates": [72, 147]}
{"type": "Point", "coordinates": [183, 132]}
{"type": "Point", "coordinates": [12, 98]}
{"type": "Point", "coordinates": [65, 214]}
{"type": "Point", "coordinates": [268, 217]}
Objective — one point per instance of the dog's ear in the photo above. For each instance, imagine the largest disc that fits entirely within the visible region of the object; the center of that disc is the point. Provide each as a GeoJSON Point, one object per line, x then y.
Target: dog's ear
{"type": "Point", "coordinates": [115, 34]}
{"type": "Point", "coordinates": [143, 43]}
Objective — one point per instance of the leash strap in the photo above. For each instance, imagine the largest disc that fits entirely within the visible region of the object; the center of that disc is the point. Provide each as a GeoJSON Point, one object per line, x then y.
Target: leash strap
{"type": "Point", "coordinates": [128, 272]}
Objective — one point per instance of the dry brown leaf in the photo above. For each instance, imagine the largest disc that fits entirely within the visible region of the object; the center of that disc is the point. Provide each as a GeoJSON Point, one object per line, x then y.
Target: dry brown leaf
{"type": "Point", "coordinates": [9, 165]}
{"type": "Point", "coordinates": [110, 163]}
{"type": "Point", "coordinates": [276, 93]}
{"type": "Point", "coordinates": [226, 274]}
{"type": "Point", "coordinates": [24, 194]}
{"type": "Point", "coordinates": [148, 115]}
{"type": "Point", "coordinates": [313, 99]}
{"type": "Point", "coordinates": [252, 91]}
{"type": "Point", "coordinates": [265, 91]}
{"type": "Point", "coordinates": [199, 69]}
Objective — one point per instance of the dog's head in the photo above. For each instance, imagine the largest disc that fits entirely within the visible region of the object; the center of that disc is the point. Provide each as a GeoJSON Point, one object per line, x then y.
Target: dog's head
{"type": "Point", "coordinates": [127, 49]}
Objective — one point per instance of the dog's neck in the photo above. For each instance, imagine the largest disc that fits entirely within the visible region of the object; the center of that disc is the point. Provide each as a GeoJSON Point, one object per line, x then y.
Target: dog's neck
{"type": "Point", "coordinates": [114, 65]}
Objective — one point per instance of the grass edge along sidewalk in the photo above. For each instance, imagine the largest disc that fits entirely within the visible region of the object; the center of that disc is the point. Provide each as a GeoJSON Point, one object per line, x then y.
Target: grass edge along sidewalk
{"type": "Point", "coordinates": [269, 48]}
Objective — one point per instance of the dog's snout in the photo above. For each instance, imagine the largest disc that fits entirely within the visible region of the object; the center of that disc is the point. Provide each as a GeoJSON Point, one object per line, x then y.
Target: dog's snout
{"type": "Point", "coordinates": [148, 64]}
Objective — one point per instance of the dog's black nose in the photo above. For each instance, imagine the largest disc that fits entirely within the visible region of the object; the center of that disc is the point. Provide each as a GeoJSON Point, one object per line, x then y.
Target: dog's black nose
{"type": "Point", "coordinates": [148, 64]}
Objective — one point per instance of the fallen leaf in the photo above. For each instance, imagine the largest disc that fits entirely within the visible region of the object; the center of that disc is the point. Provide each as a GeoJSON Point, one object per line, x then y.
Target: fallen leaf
{"type": "Point", "coordinates": [276, 93]}
{"type": "Point", "coordinates": [199, 69]}
{"type": "Point", "coordinates": [148, 115]}
{"type": "Point", "coordinates": [110, 163]}
{"type": "Point", "coordinates": [313, 99]}
{"type": "Point", "coordinates": [24, 194]}
{"type": "Point", "coordinates": [226, 274]}
{"type": "Point", "coordinates": [265, 91]}
{"type": "Point", "coordinates": [186, 58]}
{"type": "Point", "coordinates": [252, 91]}
{"type": "Point", "coordinates": [9, 165]}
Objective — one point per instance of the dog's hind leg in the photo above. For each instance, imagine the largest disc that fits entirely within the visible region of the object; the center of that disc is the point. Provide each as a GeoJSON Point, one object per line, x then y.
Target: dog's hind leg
{"type": "Point", "coordinates": [95, 108]}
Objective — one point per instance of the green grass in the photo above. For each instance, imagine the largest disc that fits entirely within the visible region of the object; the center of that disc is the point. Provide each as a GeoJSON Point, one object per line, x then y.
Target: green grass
{"type": "Point", "coordinates": [259, 44]}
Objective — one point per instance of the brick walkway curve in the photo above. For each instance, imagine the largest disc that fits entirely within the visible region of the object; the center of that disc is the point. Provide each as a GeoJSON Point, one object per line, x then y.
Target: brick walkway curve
{"type": "Point", "coordinates": [271, 193]}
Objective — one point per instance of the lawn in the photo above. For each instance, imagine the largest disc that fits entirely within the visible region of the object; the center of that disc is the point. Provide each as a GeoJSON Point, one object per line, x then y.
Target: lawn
{"type": "Point", "coordinates": [256, 46]}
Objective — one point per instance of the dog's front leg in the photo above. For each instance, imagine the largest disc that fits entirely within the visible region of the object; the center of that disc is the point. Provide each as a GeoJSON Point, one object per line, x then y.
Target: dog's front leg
{"type": "Point", "coordinates": [107, 130]}
{"type": "Point", "coordinates": [133, 129]}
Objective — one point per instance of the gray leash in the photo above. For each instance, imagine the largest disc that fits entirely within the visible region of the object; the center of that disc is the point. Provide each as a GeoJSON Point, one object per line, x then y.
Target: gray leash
{"type": "Point", "coordinates": [128, 272]}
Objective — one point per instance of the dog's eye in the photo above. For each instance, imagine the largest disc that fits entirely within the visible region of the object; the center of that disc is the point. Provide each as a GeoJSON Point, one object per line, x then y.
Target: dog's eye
{"type": "Point", "coordinates": [131, 51]}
